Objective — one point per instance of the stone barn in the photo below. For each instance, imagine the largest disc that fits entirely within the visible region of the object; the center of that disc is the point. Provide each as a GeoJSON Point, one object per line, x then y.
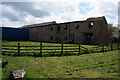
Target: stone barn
{"type": "Point", "coordinates": [90, 31]}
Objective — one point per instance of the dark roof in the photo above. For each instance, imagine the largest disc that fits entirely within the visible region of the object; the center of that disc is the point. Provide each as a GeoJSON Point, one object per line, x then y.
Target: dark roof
{"type": "Point", "coordinates": [12, 28]}
{"type": "Point", "coordinates": [54, 23]}
{"type": "Point", "coordinates": [87, 20]}
{"type": "Point", "coordinates": [39, 24]}
{"type": "Point", "coordinates": [9, 28]}
{"type": "Point", "coordinates": [94, 18]}
{"type": "Point", "coordinates": [6, 27]}
{"type": "Point", "coordinates": [97, 19]}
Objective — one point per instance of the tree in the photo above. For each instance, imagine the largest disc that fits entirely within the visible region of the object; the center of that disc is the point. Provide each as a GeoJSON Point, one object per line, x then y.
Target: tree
{"type": "Point", "coordinates": [112, 30]}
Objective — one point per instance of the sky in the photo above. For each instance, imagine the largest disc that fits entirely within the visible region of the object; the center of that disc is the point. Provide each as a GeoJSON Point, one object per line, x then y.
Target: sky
{"type": "Point", "coordinates": [16, 13]}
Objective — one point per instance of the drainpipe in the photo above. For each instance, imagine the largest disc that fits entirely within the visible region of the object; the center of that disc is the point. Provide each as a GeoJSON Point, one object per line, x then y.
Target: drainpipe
{"type": "Point", "coordinates": [69, 32]}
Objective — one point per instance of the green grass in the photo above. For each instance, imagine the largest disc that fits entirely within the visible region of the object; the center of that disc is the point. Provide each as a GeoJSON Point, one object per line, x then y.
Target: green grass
{"type": "Point", "coordinates": [97, 65]}
{"type": "Point", "coordinates": [36, 52]}
{"type": "Point", "coordinates": [89, 48]}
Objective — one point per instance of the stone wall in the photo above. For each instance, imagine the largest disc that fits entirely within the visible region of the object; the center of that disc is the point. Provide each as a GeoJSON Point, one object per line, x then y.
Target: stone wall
{"type": "Point", "coordinates": [76, 31]}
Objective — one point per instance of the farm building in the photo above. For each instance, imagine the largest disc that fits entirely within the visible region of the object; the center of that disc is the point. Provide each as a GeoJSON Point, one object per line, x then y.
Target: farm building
{"type": "Point", "coordinates": [14, 34]}
{"type": "Point", "coordinates": [90, 31]}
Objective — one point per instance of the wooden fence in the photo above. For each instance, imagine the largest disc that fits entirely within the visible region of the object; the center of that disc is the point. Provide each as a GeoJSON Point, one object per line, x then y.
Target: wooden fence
{"type": "Point", "coordinates": [48, 50]}
{"type": "Point", "coordinates": [105, 48]}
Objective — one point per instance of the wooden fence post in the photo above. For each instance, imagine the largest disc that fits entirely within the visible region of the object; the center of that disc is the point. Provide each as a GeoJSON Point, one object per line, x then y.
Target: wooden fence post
{"type": "Point", "coordinates": [40, 49]}
{"type": "Point", "coordinates": [61, 49]}
{"type": "Point", "coordinates": [79, 49]}
{"type": "Point", "coordinates": [111, 47]}
{"type": "Point", "coordinates": [18, 49]}
{"type": "Point", "coordinates": [103, 48]}
{"type": "Point", "coordinates": [118, 46]}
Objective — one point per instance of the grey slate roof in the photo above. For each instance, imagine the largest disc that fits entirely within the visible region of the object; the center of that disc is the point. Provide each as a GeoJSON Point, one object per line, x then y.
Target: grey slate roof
{"type": "Point", "coordinates": [39, 24]}
{"type": "Point", "coordinates": [53, 22]}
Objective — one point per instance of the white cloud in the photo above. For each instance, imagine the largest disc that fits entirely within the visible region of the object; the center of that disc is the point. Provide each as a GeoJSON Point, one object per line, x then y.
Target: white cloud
{"type": "Point", "coordinates": [7, 23]}
{"type": "Point", "coordinates": [9, 12]}
{"type": "Point", "coordinates": [62, 11]}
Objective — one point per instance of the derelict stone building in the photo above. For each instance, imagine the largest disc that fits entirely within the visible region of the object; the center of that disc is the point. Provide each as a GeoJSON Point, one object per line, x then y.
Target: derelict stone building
{"type": "Point", "coordinates": [90, 31]}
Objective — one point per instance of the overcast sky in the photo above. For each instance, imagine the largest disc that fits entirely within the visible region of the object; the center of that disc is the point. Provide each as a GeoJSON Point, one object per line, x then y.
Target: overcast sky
{"type": "Point", "coordinates": [17, 14]}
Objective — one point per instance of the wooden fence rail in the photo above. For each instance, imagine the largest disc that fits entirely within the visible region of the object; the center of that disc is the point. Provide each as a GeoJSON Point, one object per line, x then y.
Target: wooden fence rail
{"type": "Point", "coordinates": [54, 50]}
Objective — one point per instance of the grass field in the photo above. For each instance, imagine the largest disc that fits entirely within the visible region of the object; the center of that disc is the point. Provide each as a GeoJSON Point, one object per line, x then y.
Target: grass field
{"type": "Point", "coordinates": [74, 48]}
{"type": "Point", "coordinates": [29, 48]}
{"type": "Point", "coordinates": [97, 65]}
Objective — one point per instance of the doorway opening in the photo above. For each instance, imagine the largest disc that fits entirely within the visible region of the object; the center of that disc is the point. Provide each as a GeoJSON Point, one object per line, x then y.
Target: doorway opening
{"type": "Point", "coordinates": [71, 38]}
{"type": "Point", "coordinates": [87, 38]}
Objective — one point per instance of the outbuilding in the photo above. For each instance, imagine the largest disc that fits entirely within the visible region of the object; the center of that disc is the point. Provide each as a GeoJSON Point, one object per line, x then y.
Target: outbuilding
{"type": "Point", "coordinates": [9, 33]}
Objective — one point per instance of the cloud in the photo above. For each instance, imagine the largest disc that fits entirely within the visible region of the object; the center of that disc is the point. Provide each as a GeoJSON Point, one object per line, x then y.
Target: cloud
{"type": "Point", "coordinates": [23, 13]}
{"type": "Point", "coordinates": [10, 13]}
{"type": "Point", "coordinates": [107, 8]}
{"type": "Point", "coordinates": [36, 9]}
{"type": "Point", "coordinates": [85, 7]}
